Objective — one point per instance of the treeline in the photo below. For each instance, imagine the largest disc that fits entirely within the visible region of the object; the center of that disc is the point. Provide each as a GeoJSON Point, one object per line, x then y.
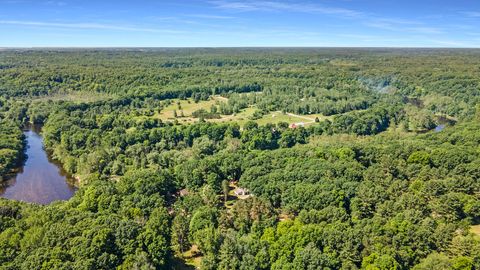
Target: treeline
{"type": "Point", "coordinates": [105, 139]}
{"type": "Point", "coordinates": [386, 202]}
{"type": "Point", "coordinates": [105, 226]}
{"type": "Point", "coordinates": [11, 146]}
{"type": "Point", "coordinates": [326, 196]}
{"type": "Point", "coordinates": [11, 136]}
{"type": "Point", "coordinates": [302, 81]}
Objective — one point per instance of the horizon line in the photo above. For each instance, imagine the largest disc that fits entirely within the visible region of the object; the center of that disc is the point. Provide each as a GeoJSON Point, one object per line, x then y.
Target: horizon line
{"type": "Point", "coordinates": [231, 47]}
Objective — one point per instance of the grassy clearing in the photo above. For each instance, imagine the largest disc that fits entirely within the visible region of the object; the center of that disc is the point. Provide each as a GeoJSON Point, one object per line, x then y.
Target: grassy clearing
{"type": "Point", "coordinates": [241, 118]}
{"type": "Point", "coordinates": [475, 229]}
{"type": "Point", "coordinates": [187, 107]}
{"type": "Point", "coordinates": [192, 258]}
{"type": "Point", "coordinates": [277, 117]}
{"type": "Point", "coordinates": [77, 97]}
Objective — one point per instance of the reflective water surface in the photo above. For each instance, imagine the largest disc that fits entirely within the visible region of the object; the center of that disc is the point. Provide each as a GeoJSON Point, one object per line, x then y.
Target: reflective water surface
{"type": "Point", "coordinates": [40, 180]}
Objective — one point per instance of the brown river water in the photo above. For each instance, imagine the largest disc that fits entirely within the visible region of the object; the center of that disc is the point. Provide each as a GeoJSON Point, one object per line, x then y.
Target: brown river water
{"type": "Point", "coordinates": [40, 180]}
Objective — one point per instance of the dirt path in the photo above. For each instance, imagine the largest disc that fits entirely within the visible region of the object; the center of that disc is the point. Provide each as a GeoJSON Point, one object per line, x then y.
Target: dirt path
{"type": "Point", "coordinates": [311, 120]}
{"type": "Point", "coordinates": [221, 98]}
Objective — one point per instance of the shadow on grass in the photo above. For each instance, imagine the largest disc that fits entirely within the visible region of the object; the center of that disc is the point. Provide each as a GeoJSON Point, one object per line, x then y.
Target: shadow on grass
{"type": "Point", "coordinates": [179, 264]}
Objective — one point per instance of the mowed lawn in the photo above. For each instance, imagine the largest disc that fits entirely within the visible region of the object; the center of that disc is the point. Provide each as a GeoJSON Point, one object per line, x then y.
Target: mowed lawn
{"type": "Point", "coordinates": [277, 117]}
{"type": "Point", "coordinates": [189, 106]}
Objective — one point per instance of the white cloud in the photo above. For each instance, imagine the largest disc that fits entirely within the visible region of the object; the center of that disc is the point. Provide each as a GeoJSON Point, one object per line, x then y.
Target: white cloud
{"type": "Point", "coordinates": [401, 25]}
{"type": "Point", "coordinates": [97, 26]}
{"type": "Point", "coordinates": [370, 20]}
{"type": "Point", "coordinates": [213, 17]}
{"type": "Point", "coordinates": [243, 6]}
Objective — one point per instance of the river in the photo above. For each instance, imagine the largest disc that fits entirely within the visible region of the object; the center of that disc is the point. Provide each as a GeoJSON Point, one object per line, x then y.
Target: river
{"type": "Point", "coordinates": [40, 179]}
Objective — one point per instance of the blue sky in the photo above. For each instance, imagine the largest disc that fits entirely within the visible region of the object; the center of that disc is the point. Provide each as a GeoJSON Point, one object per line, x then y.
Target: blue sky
{"type": "Point", "coordinates": [235, 23]}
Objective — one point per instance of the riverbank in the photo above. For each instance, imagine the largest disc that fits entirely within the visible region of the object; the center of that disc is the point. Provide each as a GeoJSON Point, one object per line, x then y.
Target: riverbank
{"type": "Point", "coordinates": [40, 179]}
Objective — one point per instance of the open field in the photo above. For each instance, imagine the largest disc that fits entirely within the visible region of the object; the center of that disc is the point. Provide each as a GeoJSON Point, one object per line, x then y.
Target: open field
{"type": "Point", "coordinates": [153, 191]}
{"type": "Point", "coordinates": [187, 107]}
{"type": "Point", "coordinates": [277, 117]}
{"type": "Point", "coordinates": [77, 97]}
{"type": "Point", "coordinates": [475, 229]}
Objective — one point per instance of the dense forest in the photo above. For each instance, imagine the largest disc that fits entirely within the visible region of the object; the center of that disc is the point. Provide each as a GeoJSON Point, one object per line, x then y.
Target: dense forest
{"type": "Point", "coordinates": [379, 169]}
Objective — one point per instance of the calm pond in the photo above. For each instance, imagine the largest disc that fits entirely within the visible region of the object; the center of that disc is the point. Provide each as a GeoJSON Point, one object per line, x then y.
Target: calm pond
{"type": "Point", "coordinates": [40, 180]}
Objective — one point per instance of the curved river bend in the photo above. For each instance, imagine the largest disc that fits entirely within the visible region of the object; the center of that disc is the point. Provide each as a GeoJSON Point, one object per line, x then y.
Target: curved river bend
{"type": "Point", "coordinates": [40, 180]}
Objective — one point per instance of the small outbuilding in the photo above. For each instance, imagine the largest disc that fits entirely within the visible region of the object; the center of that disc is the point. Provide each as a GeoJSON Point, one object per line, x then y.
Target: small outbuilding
{"type": "Point", "coordinates": [183, 192]}
{"type": "Point", "coordinates": [241, 191]}
{"type": "Point", "coordinates": [297, 125]}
